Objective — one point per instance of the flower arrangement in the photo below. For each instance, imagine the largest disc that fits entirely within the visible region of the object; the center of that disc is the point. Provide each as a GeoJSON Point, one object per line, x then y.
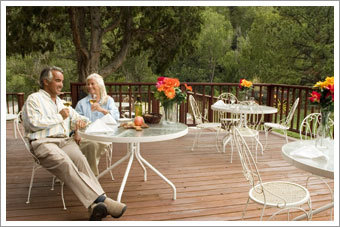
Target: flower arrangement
{"type": "Point", "coordinates": [324, 97]}
{"type": "Point", "coordinates": [169, 92]}
{"type": "Point", "coordinates": [245, 85]}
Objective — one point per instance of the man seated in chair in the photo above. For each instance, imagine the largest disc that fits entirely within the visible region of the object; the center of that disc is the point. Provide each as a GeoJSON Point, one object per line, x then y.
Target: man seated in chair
{"type": "Point", "coordinates": [47, 126]}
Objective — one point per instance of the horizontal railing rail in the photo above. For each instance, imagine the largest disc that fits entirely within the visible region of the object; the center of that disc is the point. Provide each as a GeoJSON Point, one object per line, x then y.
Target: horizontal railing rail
{"type": "Point", "coordinates": [279, 96]}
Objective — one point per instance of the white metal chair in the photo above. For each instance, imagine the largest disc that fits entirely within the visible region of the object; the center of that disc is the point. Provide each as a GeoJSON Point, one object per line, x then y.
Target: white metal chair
{"type": "Point", "coordinates": [308, 130]}
{"type": "Point", "coordinates": [36, 164]}
{"type": "Point", "coordinates": [283, 125]}
{"type": "Point", "coordinates": [228, 120]}
{"type": "Point", "coordinates": [310, 124]}
{"type": "Point", "coordinates": [286, 196]}
{"type": "Point", "coordinates": [250, 124]}
{"type": "Point", "coordinates": [202, 122]}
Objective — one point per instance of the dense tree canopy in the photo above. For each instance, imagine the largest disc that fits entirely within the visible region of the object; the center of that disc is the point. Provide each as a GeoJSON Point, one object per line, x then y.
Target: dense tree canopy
{"type": "Point", "coordinates": [289, 45]}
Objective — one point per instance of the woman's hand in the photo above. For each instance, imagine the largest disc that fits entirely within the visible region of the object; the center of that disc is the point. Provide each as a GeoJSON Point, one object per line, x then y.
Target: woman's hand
{"type": "Point", "coordinates": [96, 107]}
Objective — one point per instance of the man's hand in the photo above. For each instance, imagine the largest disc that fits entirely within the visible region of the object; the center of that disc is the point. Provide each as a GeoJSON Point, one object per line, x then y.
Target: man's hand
{"type": "Point", "coordinates": [65, 113]}
{"type": "Point", "coordinates": [76, 137]}
{"type": "Point", "coordinates": [80, 124]}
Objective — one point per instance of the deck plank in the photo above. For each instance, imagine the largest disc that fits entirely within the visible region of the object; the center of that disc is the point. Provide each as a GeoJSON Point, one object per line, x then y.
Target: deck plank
{"type": "Point", "coordinates": [209, 187]}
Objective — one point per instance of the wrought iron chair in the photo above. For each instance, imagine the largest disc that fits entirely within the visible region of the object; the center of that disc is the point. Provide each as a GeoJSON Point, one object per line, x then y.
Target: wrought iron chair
{"type": "Point", "coordinates": [283, 125]}
{"type": "Point", "coordinates": [308, 130]}
{"type": "Point", "coordinates": [309, 126]}
{"type": "Point", "coordinates": [228, 120]}
{"type": "Point", "coordinates": [202, 122]}
{"type": "Point", "coordinates": [286, 196]}
{"type": "Point", "coordinates": [250, 124]}
{"type": "Point", "coordinates": [36, 163]}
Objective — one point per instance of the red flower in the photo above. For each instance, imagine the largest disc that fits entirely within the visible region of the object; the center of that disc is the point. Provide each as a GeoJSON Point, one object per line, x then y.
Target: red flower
{"type": "Point", "coordinates": [239, 85]}
{"type": "Point", "coordinates": [315, 97]}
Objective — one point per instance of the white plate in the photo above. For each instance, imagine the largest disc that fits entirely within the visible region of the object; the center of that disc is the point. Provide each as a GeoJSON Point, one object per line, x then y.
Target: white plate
{"type": "Point", "coordinates": [124, 119]}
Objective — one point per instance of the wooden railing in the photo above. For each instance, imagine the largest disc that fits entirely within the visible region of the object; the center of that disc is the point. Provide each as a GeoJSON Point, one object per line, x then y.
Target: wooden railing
{"type": "Point", "coordinates": [14, 102]}
{"type": "Point", "coordinates": [276, 95]}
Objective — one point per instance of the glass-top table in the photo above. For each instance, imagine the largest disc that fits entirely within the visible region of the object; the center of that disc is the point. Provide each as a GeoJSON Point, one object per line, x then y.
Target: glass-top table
{"type": "Point", "coordinates": [304, 155]}
{"type": "Point", "coordinates": [155, 133]}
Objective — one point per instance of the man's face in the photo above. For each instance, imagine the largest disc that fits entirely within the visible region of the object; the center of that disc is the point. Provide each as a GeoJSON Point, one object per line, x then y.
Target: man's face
{"type": "Point", "coordinates": [55, 86]}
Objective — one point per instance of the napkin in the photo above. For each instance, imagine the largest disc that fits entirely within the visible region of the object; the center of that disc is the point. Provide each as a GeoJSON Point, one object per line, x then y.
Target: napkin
{"type": "Point", "coordinates": [98, 126]}
{"type": "Point", "coordinates": [309, 152]}
{"type": "Point", "coordinates": [108, 119]}
{"type": "Point", "coordinates": [219, 103]}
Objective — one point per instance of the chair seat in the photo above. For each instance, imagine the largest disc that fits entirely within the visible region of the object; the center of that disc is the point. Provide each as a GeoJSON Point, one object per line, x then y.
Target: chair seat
{"type": "Point", "coordinates": [275, 125]}
{"type": "Point", "coordinates": [248, 132]}
{"type": "Point", "coordinates": [294, 194]}
{"type": "Point", "coordinates": [209, 125]}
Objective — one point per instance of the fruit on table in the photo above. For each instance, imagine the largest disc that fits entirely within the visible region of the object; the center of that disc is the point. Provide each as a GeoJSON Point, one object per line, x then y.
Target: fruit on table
{"type": "Point", "coordinates": [139, 121]}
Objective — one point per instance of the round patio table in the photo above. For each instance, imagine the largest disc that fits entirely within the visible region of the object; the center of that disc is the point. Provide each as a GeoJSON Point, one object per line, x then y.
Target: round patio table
{"type": "Point", "coordinates": [155, 133]}
{"type": "Point", "coordinates": [304, 155]}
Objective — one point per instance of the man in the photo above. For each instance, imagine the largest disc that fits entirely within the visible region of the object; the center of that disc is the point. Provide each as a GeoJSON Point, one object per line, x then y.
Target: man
{"type": "Point", "coordinates": [47, 126]}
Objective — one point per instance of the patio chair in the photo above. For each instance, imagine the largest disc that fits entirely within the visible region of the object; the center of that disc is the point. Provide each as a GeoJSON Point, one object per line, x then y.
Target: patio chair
{"type": "Point", "coordinates": [36, 163]}
{"type": "Point", "coordinates": [202, 122]}
{"type": "Point", "coordinates": [283, 125]}
{"type": "Point", "coordinates": [228, 120]}
{"type": "Point", "coordinates": [250, 124]}
{"type": "Point", "coordinates": [309, 126]}
{"type": "Point", "coordinates": [284, 195]}
{"type": "Point", "coordinates": [308, 130]}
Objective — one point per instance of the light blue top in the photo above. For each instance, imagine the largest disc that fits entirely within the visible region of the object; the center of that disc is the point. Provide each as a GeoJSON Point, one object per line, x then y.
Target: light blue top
{"type": "Point", "coordinates": [84, 108]}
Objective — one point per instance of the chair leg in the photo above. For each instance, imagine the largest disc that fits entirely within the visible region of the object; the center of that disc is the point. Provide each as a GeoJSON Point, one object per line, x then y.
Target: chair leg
{"type": "Point", "coordinates": [245, 208]}
{"type": "Point", "coordinates": [264, 207]}
{"type": "Point", "coordinates": [197, 135]}
{"type": "Point", "coordinates": [266, 131]}
{"type": "Point", "coordinates": [14, 130]}
{"type": "Point", "coordinates": [109, 160]}
{"type": "Point", "coordinates": [31, 184]}
{"type": "Point", "coordinates": [285, 133]}
{"type": "Point", "coordinates": [62, 195]}
{"type": "Point", "coordinates": [53, 182]}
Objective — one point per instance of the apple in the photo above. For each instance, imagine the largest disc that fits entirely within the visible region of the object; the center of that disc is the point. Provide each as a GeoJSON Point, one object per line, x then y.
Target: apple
{"type": "Point", "coordinates": [138, 121]}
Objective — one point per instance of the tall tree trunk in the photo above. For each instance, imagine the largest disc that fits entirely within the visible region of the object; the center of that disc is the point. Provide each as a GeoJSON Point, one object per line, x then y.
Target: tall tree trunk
{"type": "Point", "coordinates": [77, 17]}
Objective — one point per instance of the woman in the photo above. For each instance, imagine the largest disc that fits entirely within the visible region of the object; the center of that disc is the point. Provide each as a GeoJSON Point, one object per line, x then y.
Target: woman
{"type": "Point", "coordinates": [104, 105]}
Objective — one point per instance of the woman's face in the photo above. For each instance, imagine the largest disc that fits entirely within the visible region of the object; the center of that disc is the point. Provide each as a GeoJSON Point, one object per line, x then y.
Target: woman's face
{"type": "Point", "coordinates": [92, 87]}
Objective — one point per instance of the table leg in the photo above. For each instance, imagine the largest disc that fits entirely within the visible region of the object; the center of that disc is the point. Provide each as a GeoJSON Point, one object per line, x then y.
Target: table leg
{"type": "Point", "coordinates": [128, 154]}
{"type": "Point", "coordinates": [158, 173]}
{"type": "Point", "coordinates": [141, 163]}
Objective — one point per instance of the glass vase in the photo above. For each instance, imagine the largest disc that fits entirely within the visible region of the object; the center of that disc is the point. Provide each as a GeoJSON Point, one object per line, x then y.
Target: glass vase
{"type": "Point", "coordinates": [170, 113]}
{"type": "Point", "coordinates": [244, 95]}
{"type": "Point", "coordinates": [323, 130]}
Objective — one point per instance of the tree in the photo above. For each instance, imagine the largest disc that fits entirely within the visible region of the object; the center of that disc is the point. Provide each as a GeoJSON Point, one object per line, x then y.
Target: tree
{"type": "Point", "coordinates": [104, 36]}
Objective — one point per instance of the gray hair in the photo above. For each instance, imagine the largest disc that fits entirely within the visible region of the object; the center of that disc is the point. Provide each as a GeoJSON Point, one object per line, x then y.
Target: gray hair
{"type": "Point", "coordinates": [46, 74]}
{"type": "Point", "coordinates": [100, 81]}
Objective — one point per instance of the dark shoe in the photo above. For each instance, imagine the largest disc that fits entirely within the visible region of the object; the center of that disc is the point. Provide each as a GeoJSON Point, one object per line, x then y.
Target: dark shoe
{"type": "Point", "coordinates": [114, 208]}
{"type": "Point", "coordinates": [98, 211]}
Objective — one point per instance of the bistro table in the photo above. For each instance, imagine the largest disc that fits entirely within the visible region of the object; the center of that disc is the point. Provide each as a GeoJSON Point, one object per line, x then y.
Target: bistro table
{"type": "Point", "coordinates": [243, 110]}
{"type": "Point", "coordinates": [155, 133]}
{"type": "Point", "coordinates": [319, 164]}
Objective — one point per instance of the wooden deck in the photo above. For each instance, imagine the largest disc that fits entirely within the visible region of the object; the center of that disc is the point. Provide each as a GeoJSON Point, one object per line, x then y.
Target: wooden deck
{"type": "Point", "coordinates": [209, 187]}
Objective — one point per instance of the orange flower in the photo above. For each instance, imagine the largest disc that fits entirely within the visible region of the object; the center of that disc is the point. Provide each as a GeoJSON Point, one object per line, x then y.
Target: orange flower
{"type": "Point", "coordinates": [170, 93]}
{"type": "Point", "coordinates": [188, 87]}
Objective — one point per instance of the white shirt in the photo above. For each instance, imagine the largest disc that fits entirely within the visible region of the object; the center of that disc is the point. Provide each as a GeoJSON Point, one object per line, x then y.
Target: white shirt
{"type": "Point", "coordinates": [42, 119]}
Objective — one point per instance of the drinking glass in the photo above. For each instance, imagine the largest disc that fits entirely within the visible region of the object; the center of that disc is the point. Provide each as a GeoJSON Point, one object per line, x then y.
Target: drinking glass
{"type": "Point", "coordinates": [67, 101]}
{"type": "Point", "coordinates": [92, 101]}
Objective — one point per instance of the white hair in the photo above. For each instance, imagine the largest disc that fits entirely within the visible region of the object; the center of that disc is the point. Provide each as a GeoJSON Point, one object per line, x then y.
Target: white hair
{"type": "Point", "coordinates": [102, 90]}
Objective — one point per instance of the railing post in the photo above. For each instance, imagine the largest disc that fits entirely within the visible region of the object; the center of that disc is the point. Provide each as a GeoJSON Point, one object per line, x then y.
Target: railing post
{"type": "Point", "coordinates": [270, 101]}
{"type": "Point", "coordinates": [21, 100]}
{"type": "Point", "coordinates": [210, 112]}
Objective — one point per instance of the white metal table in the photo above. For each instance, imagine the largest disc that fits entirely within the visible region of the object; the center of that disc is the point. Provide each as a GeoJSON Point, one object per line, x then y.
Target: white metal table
{"type": "Point", "coordinates": [243, 110]}
{"type": "Point", "coordinates": [323, 167]}
{"type": "Point", "coordinates": [155, 133]}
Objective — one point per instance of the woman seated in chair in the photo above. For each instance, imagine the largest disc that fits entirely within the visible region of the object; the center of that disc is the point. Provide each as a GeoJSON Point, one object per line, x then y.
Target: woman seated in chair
{"type": "Point", "coordinates": [102, 104]}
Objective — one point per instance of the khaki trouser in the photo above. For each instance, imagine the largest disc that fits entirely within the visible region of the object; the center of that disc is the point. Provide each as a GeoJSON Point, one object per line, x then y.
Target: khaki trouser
{"type": "Point", "coordinates": [63, 158]}
{"type": "Point", "coordinates": [93, 152]}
